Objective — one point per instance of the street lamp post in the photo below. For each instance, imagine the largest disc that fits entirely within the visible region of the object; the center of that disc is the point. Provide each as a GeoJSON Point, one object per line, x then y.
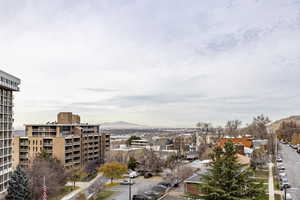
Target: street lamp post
{"type": "Point", "coordinates": [284, 187]}
{"type": "Point", "coordinates": [129, 188]}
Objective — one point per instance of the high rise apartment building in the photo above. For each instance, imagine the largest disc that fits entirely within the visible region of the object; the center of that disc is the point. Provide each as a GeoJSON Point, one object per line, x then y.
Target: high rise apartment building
{"type": "Point", "coordinates": [8, 85]}
{"type": "Point", "coordinates": [73, 143]}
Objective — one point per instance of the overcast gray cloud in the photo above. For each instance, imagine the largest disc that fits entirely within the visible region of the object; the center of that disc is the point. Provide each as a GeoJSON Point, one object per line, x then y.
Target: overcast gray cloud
{"type": "Point", "coordinates": [158, 63]}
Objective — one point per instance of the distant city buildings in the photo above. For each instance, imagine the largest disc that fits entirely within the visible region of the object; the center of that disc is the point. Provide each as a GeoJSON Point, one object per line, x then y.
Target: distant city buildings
{"type": "Point", "coordinates": [8, 85]}
{"type": "Point", "coordinates": [68, 140]}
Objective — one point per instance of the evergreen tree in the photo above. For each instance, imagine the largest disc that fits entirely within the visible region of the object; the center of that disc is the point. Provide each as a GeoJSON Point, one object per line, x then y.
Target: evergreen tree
{"type": "Point", "coordinates": [18, 186]}
{"type": "Point", "coordinates": [229, 180]}
{"type": "Point", "coordinates": [132, 163]}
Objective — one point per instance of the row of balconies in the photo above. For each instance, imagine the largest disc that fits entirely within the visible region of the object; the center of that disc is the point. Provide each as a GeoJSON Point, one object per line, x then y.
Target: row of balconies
{"type": "Point", "coordinates": [72, 149]}
{"type": "Point", "coordinates": [44, 130]}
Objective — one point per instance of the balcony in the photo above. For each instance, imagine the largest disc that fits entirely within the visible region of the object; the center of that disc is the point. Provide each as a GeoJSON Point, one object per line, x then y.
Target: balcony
{"type": "Point", "coordinates": [69, 144]}
{"type": "Point", "coordinates": [68, 150]}
{"type": "Point", "coordinates": [48, 144]}
{"type": "Point", "coordinates": [23, 150]}
{"type": "Point", "coordinates": [76, 143]}
{"type": "Point", "coordinates": [24, 156]}
{"type": "Point", "coordinates": [48, 150]}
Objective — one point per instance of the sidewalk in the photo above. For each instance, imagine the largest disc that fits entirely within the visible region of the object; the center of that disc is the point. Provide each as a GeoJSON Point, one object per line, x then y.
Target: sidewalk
{"type": "Point", "coordinates": [271, 183]}
{"type": "Point", "coordinates": [83, 186]}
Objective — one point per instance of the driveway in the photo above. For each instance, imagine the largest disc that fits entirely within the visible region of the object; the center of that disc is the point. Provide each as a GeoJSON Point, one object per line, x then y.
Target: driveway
{"type": "Point", "coordinates": [140, 185]}
{"type": "Point", "coordinates": [291, 161]}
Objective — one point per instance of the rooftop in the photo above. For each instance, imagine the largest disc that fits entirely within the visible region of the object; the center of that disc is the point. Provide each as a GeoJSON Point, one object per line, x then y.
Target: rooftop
{"type": "Point", "coordinates": [9, 81]}
{"type": "Point", "coordinates": [196, 177]}
{"type": "Point", "coordinates": [247, 142]}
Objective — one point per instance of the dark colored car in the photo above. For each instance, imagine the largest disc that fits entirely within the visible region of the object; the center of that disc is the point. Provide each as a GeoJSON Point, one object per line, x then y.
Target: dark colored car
{"type": "Point", "coordinates": [152, 194]}
{"type": "Point", "coordinates": [165, 184]}
{"type": "Point", "coordinates": [159, 189]}
{"type": "Point", "coordinates": [148, 175]}
{"type": "Point", "coordinates": [175, 183]}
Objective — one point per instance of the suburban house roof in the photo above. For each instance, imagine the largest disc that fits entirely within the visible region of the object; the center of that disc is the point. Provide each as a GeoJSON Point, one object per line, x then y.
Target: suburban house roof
{"type": "Point", "coordinates": [243, 159]}
{"type": "Point", "coordinates": [247, 142]}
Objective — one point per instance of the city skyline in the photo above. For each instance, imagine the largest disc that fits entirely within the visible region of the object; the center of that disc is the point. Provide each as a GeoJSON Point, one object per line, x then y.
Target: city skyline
{"type": "Point", "coordinates": [151, 62]}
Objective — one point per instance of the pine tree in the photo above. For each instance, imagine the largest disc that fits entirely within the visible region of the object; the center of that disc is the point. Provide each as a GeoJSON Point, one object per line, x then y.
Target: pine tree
{"type": "Point", "coordinates": [132, 163]}
{"type": "Point", "coordinates": [229, 180]}
{"type": "Point", "coordinates": [18, 186]}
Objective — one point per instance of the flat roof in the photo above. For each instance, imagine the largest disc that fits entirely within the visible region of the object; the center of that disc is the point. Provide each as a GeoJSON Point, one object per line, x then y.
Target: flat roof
{"type": "Point", "coordinates": [16, 81]}
{"type": "Point", "coordinates": [196, 178]}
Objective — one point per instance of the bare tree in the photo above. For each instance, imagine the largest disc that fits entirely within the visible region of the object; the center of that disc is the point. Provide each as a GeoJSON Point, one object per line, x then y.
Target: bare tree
{"type": "Point", "coordinates": [232, 128]}
{"type": "Point", "coordinates": [184, 173]}
{"type": "Point", "coordinates": [151, 161]}
{"type": "Point", "coordinates": [220, 132]}
{"type": "Point", "coordinates": [118, 156]}
{"type": "Point", "coordinates": [260, 126]}
{"type": "Point", "coordinates": [54, 174]}
{"type": "Point", "coordinates": [202, 148]}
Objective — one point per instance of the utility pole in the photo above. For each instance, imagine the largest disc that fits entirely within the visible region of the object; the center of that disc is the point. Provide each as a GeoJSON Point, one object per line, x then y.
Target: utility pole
{"type": "Point", "coordinates": [129, 188]}
{"type": "Point", "coordinates": [284, 187]}
{"type": "Point", "coordinates": [276, 143]}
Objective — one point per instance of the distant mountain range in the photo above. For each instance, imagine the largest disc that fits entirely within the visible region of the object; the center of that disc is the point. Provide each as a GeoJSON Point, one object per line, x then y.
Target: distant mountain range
{"type": "Point", "coordinates": [19, 133]}
{"type": "Point", "coordinates": [122, 125]}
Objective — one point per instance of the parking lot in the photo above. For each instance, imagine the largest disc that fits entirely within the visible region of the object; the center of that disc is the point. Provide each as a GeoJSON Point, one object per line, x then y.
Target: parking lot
{"type": "Point", "coordinates": [140, 185]}
{"type": "Point", "coordinates": [291, 161]}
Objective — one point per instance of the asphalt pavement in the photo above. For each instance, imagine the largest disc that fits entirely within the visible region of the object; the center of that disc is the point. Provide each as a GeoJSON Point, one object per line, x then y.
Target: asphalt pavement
{"type": "Point", "coordinates": [140, 186]}
{"type": "Point", "coordinates": [291, 161]}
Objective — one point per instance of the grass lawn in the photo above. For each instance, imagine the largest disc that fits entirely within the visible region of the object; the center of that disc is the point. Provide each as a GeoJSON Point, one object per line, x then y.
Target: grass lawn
{"type": "Point", "coordinates": [105, 194]}
{"type": "Point", "coordinates": [276, 183]}
{"type": "Point", "coordinates": [66, 190]}
{"type": "Point", "coordinates": [278, 197]}
{"type": "Point", "coordinates": [262, 173]}
{"type": "Point", "coordinates": [112, 184]}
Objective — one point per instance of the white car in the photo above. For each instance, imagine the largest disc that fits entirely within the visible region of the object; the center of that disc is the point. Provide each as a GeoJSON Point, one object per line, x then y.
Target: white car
{"type": "Point", "coordinates": [282, 175]}
{"type": "Point", "coordinates": [133, 174]}
{"type": "Point", "coordinates": [280, 167]}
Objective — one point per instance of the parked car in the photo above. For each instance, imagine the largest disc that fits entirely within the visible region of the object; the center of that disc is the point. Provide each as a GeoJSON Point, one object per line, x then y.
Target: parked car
{"type": "Point", "coordinates": [148, 175]}
{"type": "Point", "coordinates": [284, 184]}
{"type": "Point", "coordinates": [141, 197]}
{"type": "Point", "coordinates": [159, 190]}
{"type": "Point", "coordinates": [152, 194]}
{"type": "Point", "coordinates": [175, 183]}
{"type": "Point", "coordinates": [126, 182]}
{"type": "Point", "coordinates": [294, 146]}
{"type": "Point", "coordinates": [165, 184]}
{"type": "Point", "coordinates": [133, 174]}
{"type": "Point", "coordinates": [282, 175]}
{"type": "Point", "coordinates": [280, 167]}
{"type": "Point", "coordinates": [279, 159]}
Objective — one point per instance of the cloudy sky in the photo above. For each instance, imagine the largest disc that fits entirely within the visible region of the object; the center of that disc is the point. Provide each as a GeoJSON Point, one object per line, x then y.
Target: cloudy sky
{"type": "Point", "coordinates": [153, 62]}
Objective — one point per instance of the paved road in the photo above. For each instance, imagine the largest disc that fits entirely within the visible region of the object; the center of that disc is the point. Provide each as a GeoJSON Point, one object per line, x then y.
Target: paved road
{"type": "Point", "coordinates": [140, 185]}
{"type": "Point", "coordinates": [291, 161]}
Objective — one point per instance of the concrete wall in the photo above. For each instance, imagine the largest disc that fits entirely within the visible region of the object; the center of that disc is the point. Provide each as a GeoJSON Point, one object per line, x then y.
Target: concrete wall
{"type": "Point", "coordinates": [59, 149]}
{"type": "Point", "coordinates": [15, 151]}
